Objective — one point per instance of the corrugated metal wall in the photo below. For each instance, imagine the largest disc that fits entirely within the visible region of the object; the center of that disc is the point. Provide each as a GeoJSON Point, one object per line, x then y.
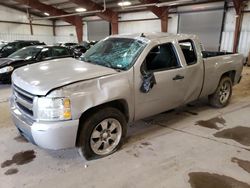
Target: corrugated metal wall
{"type": "Point", "coordinates": [244, 43]}
{"type": "Point", "coordinates": [228, 33]}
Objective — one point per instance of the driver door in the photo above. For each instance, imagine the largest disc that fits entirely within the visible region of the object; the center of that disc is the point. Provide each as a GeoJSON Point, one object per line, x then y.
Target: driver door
{"type": "Point", "coordinates": [164, 65]}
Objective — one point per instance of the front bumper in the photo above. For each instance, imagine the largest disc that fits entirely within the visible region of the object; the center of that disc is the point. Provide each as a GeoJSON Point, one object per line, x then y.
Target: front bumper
{"type": "Point", "coordinates": [5, 76]}
{"type": "Point", "coordinates": [49, 135]}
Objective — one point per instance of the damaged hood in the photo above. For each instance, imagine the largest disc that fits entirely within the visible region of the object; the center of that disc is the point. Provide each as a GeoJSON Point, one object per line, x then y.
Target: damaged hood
{"type": "Point", "coordinates": [40, 78]}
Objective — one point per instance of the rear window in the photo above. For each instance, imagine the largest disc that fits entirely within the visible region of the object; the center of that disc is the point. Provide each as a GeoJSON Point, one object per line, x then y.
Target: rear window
{"type": "Point", "coordinates": [188, 50]}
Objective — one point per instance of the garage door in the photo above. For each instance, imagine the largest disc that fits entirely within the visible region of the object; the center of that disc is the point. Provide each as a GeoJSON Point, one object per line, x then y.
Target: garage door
{"type": "Point", "coordinates": [98, 30]}
{"type": "Point", "coordinates": [206, 24]}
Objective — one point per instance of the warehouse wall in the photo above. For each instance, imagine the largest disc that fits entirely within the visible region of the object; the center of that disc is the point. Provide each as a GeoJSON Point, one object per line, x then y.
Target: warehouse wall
{"type": "Point", "coordinates": [42, 32]}
{"type": "Point", "coordinates": [66, 32]}
{"type": "Point", "coordinates": [228, 33]}
{"type": "Point", "coordinates": [15, 31]}
{"type": "Point", "coordinates": [153, 24]}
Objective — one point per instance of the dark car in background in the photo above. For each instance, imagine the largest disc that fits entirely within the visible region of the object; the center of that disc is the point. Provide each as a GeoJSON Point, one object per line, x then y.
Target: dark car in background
{"type": "Point", "coordinates": [68, 44]}
{"type": "Point", "coordinates": [11, 47]}
{"type": "Point", "coordinates": [2, 44]}
{"type": "Point", "coordinates": [81, 48]}
{"type": "Point", "coordinates": [29, 55]}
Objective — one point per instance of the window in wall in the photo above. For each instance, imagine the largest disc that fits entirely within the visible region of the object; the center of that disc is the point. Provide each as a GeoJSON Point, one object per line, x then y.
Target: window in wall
{"type": "Point", "coordinates": [162, 57]}
{"type": "Point", "coordinates": [188, 50]}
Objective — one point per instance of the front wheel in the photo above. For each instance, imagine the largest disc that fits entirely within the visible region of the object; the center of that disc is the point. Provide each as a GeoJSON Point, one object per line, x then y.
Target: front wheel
{"type": "Point", "coordinates": [221, 97]}
{"type": "Point", "coordinates": [102, 133]}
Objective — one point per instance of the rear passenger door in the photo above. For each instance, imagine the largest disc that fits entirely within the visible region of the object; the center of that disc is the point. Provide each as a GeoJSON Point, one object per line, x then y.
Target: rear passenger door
{"type": "Point", "coordinates": [194, 69]}
{"type": "Point", "coordinates": [169, 89]}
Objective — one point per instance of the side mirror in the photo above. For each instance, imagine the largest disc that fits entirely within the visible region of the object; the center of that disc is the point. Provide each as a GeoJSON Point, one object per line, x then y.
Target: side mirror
{"type": "Point", "coordinates": [148, 82]}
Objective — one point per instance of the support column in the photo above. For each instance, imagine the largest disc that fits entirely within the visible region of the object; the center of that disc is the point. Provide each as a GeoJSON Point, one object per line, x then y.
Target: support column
{"type": "Point", "coordinates": [31, 27]}
{"type": "Point", "coordinates": [79, 30]}
{"type": "Point", "coordinates": [239, 7]}
{"type": "Point", "coordinates": [30, 22]}
{"type": "Point", "coordinates": [114, 24]}
{"type": "Point", "coordinates": [54, 27]}
{"type": "Point", "coordinates": [237, 31]}
{"type": "Point", "coordinates": [164, 22]}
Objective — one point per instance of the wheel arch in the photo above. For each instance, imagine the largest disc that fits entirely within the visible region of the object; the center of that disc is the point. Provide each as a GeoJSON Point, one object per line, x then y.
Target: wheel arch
{"type": "Point", "coordinates": [119, 104]}
{"type": "Point", "coordinates": [231, 74]}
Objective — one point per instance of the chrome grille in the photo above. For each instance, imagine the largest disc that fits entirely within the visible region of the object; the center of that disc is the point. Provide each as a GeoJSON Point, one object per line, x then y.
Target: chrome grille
{"type": "Point", "coordinates": [23, 100]}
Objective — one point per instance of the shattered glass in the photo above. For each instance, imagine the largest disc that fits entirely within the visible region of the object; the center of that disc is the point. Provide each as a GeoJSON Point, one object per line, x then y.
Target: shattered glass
{"type": "Point", "coordinates": [117, 53]}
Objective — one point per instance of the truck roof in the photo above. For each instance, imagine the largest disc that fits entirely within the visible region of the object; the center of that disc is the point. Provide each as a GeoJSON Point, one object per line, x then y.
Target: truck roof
{"type": "Point", "coordinates": [156, 35]}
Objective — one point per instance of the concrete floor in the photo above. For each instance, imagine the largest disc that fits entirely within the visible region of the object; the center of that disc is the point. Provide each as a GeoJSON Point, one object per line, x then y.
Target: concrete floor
{"type": "Point", "coordinates": [168, 150]}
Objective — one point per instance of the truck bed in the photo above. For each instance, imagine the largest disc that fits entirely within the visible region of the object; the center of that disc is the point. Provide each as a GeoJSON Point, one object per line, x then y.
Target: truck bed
{"type": "Point", "coordinates": [207, 54]}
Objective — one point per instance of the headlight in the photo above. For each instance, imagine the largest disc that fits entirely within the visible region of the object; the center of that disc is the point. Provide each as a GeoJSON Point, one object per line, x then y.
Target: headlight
{"type": "Point", "coordinates": [49, 109]}
{"type": "Point", "coordinates": [6, 69]}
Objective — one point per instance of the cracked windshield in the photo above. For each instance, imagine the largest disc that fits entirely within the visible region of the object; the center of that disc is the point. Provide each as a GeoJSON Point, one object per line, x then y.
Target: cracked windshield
{"type": "Point", "coordinates": [116, 53]}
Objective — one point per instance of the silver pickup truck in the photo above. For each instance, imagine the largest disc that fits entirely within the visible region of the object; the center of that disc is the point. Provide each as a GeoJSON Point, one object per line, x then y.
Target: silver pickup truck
{"type": "Point", "coordinates": [87, 104]}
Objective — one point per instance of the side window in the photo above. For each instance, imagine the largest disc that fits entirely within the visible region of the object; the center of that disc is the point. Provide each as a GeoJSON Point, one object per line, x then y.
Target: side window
{"type": "Point", "coordinates": [162, 57]}
{"type": "Point", "coordinates": [45, 54]}
{"type": "Point", "coordinates": [59, 52]}
{"type": "Point", "coordinates": [188, 50]}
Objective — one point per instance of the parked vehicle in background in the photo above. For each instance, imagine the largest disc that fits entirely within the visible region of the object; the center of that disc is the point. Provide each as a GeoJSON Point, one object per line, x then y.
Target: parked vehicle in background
{"type": "Point", "coordinates": [121, 79]}
{"type": "Point", "coordinates": [30, 55]}
{"type": "Point", "coordinates": [2, 44]}
{"type": "Point", "coordinates": [79, 50]}
{"type": "Point", "coordinates": [69, 44]}
{"type": "Point", "coordinates": [16, 45]}
{"type": "Point", "coordinates": [93, 42]}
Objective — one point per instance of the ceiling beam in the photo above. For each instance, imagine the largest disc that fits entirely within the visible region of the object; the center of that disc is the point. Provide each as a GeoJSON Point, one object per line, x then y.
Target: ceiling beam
{"type": "Point", "coordinates": [90, 5]}
{"type": "Point", "coordinates": [107, 15]}
{"type": "Point", "coordinates": [35, 4]}
{"type": "Point", "coordinates": [160, 12]}
{"type": "Point", "coordinates": [237, 6]}
{"type": "Point", "coordinates": [17, 8]}
{"type": "Point", "coordinates": [73, 20]}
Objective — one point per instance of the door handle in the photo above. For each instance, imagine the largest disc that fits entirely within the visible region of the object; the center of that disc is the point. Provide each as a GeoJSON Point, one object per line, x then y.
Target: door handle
{"type": "Point", "coordinates": [178, 77]}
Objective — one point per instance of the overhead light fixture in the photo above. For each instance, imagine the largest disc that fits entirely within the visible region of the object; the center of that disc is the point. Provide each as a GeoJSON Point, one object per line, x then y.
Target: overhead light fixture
{"type": "Point", "coordinates": [80, 9]}
{"type": "Point", "coordinates": [173, 3]}
{"type": "Point", "coordinates": [46, 14]}
{"type": "Point", "coordinates": [124, 3]}
{"type": "Point", "coordinates": [168, 3]}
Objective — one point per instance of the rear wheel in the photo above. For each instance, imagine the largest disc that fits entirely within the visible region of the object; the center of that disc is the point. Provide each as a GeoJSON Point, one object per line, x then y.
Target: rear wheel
{"type": "Point", "coordinates": [223, 93]}
{"type": "Point", "coordinates": [102, 133]}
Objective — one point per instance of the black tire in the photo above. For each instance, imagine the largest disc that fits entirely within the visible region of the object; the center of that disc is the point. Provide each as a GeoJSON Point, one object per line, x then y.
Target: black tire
{"type": "Point", "coordinates": [215, 99]}
{"type": "Point", "coordinates": [91, 123]}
